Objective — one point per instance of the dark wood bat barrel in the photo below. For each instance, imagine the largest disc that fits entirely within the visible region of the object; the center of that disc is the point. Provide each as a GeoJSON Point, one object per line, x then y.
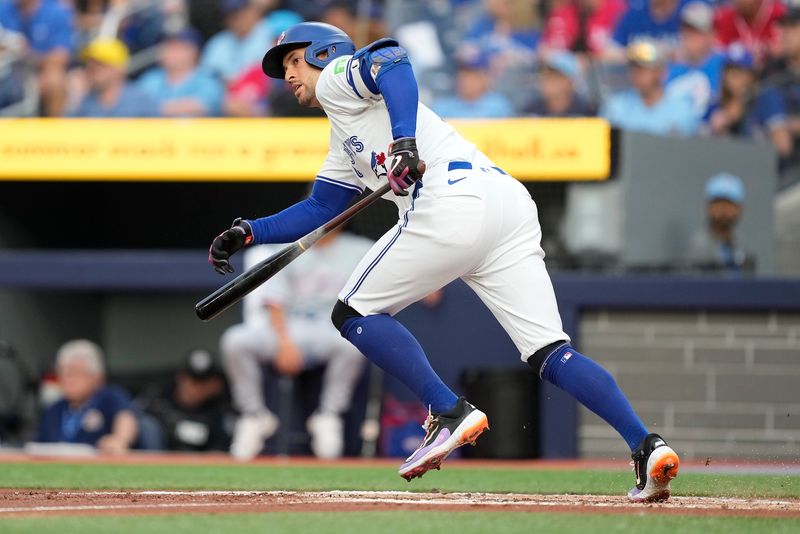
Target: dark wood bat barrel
{"type": "Point", "coordinates": [232, 292]}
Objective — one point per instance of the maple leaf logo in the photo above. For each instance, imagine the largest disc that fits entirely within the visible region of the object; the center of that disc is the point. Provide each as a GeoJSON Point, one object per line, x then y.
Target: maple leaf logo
{"type": "Point", "coordinates": [378, 164]}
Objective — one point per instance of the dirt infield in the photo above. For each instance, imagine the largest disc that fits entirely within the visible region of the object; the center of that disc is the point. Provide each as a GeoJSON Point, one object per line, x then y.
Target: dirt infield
{"type": "Point", "coordinates": [70, 502]}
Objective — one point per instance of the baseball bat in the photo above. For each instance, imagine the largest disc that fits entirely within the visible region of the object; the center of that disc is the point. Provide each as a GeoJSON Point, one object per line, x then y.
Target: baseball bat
{"type": "Point", "coordinates": [232, 292]}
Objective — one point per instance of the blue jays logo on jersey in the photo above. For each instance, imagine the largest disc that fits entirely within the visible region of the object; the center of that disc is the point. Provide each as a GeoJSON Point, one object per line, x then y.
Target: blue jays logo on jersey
{"type": "Point", "coordinates": [378, 164]}
{"type": "Point", "coordinates": [352, 145]}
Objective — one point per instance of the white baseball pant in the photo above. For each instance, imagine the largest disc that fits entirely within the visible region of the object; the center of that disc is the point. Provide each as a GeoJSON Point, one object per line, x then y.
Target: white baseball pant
{"type": "Point", "coordinates": [469, 222]}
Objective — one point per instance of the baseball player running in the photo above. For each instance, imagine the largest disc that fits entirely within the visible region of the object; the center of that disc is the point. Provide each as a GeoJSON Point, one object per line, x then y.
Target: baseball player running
{"type": "Point", "coordinates": [465, 219]}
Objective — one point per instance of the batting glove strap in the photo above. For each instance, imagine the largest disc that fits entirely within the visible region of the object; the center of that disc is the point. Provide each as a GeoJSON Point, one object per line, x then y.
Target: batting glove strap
{"type": "Point", "coordinates": [406, 167]}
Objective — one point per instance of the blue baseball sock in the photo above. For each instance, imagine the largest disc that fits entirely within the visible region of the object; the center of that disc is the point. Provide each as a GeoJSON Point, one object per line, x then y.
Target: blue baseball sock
{"type": "Point", "coordinates": [596, 389]}
{"type": "Point", "coordinates": [386, 343]}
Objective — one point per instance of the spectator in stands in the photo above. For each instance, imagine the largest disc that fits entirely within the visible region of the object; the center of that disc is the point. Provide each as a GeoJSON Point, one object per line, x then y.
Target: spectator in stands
{"type": "Point", "coordinates": [139, 24]}
{"type": "Point", "coordinates": [254, 94]}
{"type": "Point", "coordinates": [474, 96]}
{"type": "Point", "coordinates": [508, 33]}
{"type": "Point", "coordinates": [696, 71]}
{"type": "Point", "coordinates": [752, 24]}
{"type": "Point", "coordinates": [235, 54]}
{"type": "Point", "coordinates": [582, 25]}
{"type": "Point", "coordinates": [206, 16]}
{"type": "Point", "coordinates": [647, 107]}
{"type": "Point", "coordinates": [716, 247]}
{"type": "Point", "coordinates": [784, 75]}
{"type": "Point", "coordinates": [110, 93]}
{"type": "Point", "coordinates": [89, 16]}
{"type": "Point", "coordinates": [287, 323]}
{"type": "Point", "coordinates": [558, 96]}
{"type": "Point", "coordinates": [91, 412]}
{"type": "Point", "coordinates": [181, 89]}
{"type": "Point", "coordinates": [234, 51]}
{"type": "Point", "coordinates": [47, 27]}
{"type": "Point", "coordinates": [13, 52]}
{"type": "Point", "coordinates": [343, 14]}
{"type": "Point", "coordinates": [744, 110]}
{"type": "Point", "coordinates": [193, 411]}
{"type": "Point", "coordinates": [656, 20]}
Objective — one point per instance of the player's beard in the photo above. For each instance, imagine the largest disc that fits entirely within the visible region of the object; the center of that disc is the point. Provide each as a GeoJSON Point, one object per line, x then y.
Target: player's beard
{"type": "Point", "coordinates": [305, 97]}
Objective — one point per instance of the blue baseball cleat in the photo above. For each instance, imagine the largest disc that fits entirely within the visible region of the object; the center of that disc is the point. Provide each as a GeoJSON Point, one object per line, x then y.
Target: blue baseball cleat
{"type": "Point", "coordinates": [445, 432]}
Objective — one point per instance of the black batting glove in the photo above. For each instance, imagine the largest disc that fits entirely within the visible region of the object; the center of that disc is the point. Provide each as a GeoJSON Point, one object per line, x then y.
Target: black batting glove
{"type": "Point", "coordinates": [406, 167]}
{"type": "Point", "coordinates": [238, 236]}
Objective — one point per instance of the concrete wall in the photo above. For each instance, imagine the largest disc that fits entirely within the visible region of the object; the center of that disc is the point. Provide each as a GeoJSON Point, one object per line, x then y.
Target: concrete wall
{"type": "Point", "coordinates": [719, 385]}
{"type": "Point", "coordinates": [139, 332]}
{"type": "Point", "coordinates": [144, 332]}
{"type": "Point", "coordinates": [646, 215]}
{"type": "Point", "coordinates": [36, 324]}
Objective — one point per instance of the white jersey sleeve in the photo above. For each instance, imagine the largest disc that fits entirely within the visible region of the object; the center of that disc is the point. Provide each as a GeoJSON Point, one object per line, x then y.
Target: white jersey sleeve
{"type": "Point", "coordinates": [341, 90]}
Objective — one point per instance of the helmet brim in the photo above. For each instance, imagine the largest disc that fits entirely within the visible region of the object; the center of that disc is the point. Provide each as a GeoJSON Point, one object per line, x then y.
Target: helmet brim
{"type": "Point", "coordinates": [272, 64]}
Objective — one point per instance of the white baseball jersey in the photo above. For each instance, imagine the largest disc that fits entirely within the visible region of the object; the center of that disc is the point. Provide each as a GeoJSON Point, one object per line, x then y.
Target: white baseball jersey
{"type": "Point", "coordinates": [465, 219]}
{"type": "Point", "coordinates": [309, 285]}
{"type": "Point", "coordinates": [361, 133]}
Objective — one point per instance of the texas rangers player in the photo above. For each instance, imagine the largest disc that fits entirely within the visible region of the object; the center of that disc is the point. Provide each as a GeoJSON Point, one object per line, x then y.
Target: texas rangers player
{"type": "Point", "coordinates": [466, 219]}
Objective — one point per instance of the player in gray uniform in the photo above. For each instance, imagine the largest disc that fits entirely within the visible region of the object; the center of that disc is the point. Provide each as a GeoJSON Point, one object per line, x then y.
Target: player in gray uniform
{"type": "Point", "coordinates": [466, 219]}
{"type": "Point", "coordinates": [286, 323]}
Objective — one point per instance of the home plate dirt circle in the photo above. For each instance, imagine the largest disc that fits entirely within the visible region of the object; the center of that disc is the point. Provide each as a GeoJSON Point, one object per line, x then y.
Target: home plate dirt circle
{"type": "Point", "coordinates": [73, 502]}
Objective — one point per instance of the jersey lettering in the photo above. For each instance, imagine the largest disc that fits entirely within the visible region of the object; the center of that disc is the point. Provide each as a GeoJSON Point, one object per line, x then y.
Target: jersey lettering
{"type": "Point", "coordinates": [351, 146]}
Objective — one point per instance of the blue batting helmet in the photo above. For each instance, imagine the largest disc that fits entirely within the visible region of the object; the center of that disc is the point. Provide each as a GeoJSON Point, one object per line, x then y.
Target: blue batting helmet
{"type": "Point", "coordinates": [317, 36]}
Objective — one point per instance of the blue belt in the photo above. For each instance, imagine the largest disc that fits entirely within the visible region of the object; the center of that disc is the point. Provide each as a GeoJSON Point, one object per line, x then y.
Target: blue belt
{"type": "Point", "coordinates": [453, 165]}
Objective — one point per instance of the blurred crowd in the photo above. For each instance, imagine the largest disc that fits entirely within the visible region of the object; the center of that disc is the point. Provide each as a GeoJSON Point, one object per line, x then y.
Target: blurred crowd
{"type": "Point", "coordinates": [682, 67]}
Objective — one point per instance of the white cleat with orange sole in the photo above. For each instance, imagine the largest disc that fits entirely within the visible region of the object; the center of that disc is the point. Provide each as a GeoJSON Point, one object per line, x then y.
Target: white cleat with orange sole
{"type": "Point", "coordinates": [655, 464]}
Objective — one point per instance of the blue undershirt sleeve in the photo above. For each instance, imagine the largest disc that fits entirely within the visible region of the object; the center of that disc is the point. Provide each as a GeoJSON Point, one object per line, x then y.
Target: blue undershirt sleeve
{"type": "Point", "coordinates": [325, 202]}
{"type": "Point", "coordinates": [397, 84]}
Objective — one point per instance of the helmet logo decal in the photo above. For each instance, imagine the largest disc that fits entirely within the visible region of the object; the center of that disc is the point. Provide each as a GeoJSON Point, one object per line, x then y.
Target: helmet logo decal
{"type": "Point", "coordinates": [282, 37]}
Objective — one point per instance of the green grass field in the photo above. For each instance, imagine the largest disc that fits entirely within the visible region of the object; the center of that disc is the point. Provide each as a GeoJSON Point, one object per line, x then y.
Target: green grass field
{"type": "Point", "coordinates": [460, 479]}
{"type": "Point", "coordinates": [321, 478]}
